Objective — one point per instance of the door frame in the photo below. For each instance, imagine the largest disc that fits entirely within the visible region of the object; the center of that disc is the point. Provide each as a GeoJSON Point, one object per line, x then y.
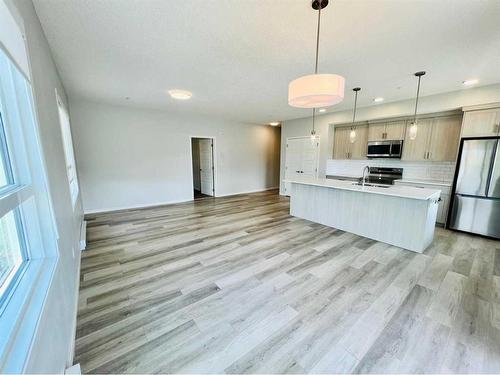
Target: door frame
{"type": "Point", "coordinates": [214, 162]}
{"type": "Point", "coordinates": [318, 138]}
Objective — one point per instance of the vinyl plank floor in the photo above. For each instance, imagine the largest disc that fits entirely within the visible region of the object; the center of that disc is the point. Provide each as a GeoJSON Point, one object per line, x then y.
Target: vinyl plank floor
{"type": "Point", "coordinates": [236, 285]}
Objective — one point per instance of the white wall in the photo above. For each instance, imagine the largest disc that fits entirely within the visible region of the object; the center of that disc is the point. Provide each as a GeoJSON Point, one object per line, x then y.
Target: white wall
{"type": "Point", "coordinates": [52, 348]}
{"type": "Point", "coordinates": [129, 157]}
{"type": "Point", "coordinates": [427, 104]}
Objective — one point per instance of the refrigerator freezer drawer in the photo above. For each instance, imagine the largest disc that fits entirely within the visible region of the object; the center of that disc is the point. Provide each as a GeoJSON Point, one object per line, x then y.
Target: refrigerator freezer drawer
{"type": "Point", "coordinates": [476, 215]}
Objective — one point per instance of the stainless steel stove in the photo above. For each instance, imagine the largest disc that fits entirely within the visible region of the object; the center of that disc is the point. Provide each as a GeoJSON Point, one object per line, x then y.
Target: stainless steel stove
{"type": "Point", "coordinates": [383, 176]}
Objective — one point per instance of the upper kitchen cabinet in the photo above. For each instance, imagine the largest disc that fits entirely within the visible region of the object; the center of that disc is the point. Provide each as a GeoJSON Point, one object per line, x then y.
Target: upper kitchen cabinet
{"type": "Point", "coordinates": [393, 130]}
{"type": "Point", "coordinates": [343, 148]}
{"type": "Point", "coordinates": [445, 138]}
{"type": "Point", "coordinates": [417, 149]}
{"type": "Point", "coordinates": [341, 143]}
{"type": "Point", "coordinates": [437, 139]}
{"type": "Point", "coordinates": [481, 123]}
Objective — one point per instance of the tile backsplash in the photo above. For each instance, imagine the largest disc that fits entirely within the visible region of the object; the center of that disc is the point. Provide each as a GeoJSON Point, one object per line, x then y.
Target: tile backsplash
{"type": "Point", "coordinates": [439, 171]}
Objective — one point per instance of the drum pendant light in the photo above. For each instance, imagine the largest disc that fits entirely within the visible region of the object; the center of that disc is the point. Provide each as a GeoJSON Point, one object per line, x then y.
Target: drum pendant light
{"type": "Point", "coordinates": [414, 127]}
{"type": "Point", "coordinates": [352, 134]}
{"type": "Point", "coordinates": [316, 90]}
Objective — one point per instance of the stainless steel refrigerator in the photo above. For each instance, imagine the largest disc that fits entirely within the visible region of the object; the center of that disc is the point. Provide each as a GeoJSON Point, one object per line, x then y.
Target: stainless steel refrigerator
{"type": "Point", "coordinates": [476, 198]}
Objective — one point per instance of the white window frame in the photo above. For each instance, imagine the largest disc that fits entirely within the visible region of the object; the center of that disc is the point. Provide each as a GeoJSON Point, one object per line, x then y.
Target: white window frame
{"type": "Point", "coordinates": [69, 152]}
{"type": "Point", "coordinates": [22, 306]}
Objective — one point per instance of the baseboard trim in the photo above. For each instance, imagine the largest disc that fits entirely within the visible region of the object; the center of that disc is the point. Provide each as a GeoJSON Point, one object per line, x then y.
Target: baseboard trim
{"type": "Point", "coordinates": [248, 192]}
{"type": "Point", "coordinates": [153, 205]}
{"type": "Point", "coordinates": [83, 235]}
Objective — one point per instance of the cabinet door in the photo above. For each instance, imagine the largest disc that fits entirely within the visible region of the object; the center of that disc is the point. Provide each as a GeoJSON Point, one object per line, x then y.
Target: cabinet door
{"type": "Point", "coordinates": [359, 147]}
{"type": "Point", "coordinates": [442, 213]}
{"type": "Point", "coordinates": [445, 138]}
{"type": "Point", "coordinates": [376, 131]}
{"type": "Point", "coordinates": [417, 148]}
{"type": "Point", "coordinates": [395, 130]}
{"type": "Point", "coordinates": [481, 123]}
{"type": "Point", "coordinates": [341, 143]}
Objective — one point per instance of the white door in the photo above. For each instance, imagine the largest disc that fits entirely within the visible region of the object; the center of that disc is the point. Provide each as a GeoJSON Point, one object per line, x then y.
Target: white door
{"type": "Point", "coordinates": [301, 159]}
{"type": "Point", "coordinates": [206, 167]}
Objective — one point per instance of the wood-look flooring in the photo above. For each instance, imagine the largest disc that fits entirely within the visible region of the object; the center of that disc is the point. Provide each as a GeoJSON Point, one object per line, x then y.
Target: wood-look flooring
{"type": "Point", "coordinates": [236, 285]}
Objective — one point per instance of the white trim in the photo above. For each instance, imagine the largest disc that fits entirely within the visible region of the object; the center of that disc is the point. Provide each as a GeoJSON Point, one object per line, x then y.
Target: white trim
{"type": "Point", "coordinates": [152, 205]}
{"type": "Point", "coordinates": [73, 370]}
{"type": "Point", "coordinates": [75, 308]}
{"type": "Point", "coordinates": [248, 192]}
{"type": "Point", "coordinates": [480, 107]}
{"type": "Point", "coordinates": [83, 235]}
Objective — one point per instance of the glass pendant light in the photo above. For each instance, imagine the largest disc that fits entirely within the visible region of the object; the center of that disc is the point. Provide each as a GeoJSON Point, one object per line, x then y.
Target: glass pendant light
{"type": "Point", "coordinates": [316, 90]}
{"type": "Point", "coordinates": [352, 134]}
{"type": "Point", "coordinates": [414, 127]}
{"type": "Point", "coordinates": [313, 132]}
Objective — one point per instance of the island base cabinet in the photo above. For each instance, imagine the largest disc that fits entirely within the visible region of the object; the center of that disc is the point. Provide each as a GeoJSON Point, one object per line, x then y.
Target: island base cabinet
{"type": "Point", "coordinates": [404, 222]}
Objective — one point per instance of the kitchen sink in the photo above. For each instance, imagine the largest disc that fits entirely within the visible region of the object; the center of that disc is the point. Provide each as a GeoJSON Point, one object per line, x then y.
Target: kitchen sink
{"type": "Point", "coordinates": [373, 185]}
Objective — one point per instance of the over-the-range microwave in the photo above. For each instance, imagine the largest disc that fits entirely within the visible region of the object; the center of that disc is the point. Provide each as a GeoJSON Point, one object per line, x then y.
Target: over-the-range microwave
{"type": "Point", "coordinates": [385, 149]}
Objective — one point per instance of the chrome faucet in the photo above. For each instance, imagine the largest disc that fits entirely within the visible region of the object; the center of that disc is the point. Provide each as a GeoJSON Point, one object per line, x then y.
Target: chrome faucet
{"type": "Point", "coordinates": [367, 168]}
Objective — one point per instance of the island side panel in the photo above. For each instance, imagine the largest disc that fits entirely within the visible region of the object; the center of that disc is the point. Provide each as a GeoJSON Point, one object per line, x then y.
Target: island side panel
{"type": "Point", "coordinates": [403, 222]}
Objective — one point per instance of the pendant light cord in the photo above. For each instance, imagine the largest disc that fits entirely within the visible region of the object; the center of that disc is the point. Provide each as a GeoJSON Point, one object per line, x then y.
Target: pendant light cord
{"type": "Point", "coordinates": [313, 132]}
{"type": "Point", "coordinates": [317, 41]}
{"type": "Point", "coordinates": [416, 101]}
{"type": "Point", "coordinates": [355, 105]}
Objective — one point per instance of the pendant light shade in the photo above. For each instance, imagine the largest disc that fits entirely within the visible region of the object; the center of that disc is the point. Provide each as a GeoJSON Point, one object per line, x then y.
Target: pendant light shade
{"type": "Point", "coordinates": [316, 90]}
{"type": "Point", "coordinates": [352, 135]}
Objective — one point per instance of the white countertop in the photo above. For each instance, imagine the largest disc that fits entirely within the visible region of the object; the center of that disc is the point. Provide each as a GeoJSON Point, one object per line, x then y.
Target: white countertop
{"type": "Point", "coordinates": [393, 190]}
{"type": "Point", "coordinates": [425, 182]}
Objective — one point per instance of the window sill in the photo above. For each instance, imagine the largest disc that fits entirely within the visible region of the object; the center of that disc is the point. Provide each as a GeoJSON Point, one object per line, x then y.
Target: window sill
{"type": "Point", "coordinates": [19, 318]}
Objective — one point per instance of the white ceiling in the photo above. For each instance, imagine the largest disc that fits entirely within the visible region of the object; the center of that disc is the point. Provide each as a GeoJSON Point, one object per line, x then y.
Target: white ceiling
{"type": "Point", "coordinates": [238, 56]}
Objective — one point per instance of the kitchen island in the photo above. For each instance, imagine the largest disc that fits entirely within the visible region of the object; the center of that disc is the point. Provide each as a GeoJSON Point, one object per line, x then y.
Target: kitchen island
{"type": "Point", "coordinates": [402, 216]}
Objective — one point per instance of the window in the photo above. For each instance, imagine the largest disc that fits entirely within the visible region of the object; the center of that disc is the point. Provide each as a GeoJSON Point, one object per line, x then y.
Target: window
{"type": "Point", "coordinates": [28, 234]}
{"type": "Point", "coordinates": [68, 150]}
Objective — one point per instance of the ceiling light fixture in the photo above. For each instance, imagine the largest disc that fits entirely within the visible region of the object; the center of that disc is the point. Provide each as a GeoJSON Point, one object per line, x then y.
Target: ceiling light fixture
{"type": "Point", "coordinates": [180, 94]}
{"type": "Point", "coordinates": [414, 126]}
{"type": "Point", "coordinates": [352, 134]}
{"type": "Point", "coordinates": [322, 110]}
{"type": "Point", "coordinates": [316, 90]}
{"type": "Point", "coordinates": [378, 100]}
{"type": "Point", "coordinates": [470, 82]}
{"type": "Point", "coordinates": [274, 123]}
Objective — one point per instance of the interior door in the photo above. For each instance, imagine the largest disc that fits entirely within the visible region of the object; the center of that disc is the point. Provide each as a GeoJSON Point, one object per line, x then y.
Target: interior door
{"type": "Point", "coordinates": [206, 166]}
{"type": "Point", "coordinates": [309, 157]}
{"type": "Point", "coordinates": [301, 159]}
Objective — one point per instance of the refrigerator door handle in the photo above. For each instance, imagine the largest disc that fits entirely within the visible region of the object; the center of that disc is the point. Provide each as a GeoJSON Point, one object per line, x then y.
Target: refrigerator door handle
{"type": "Point", "coordinates": [490, 172]}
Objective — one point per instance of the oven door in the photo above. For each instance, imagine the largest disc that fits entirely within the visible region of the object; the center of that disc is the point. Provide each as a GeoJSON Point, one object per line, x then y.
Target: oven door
{"type": "Point", "coordinates": [381, 149]}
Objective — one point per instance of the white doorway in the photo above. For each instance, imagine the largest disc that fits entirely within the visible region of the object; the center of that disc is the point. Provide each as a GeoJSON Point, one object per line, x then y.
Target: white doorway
{"type": "Point", "coordinates": [301, 158]}
{"type": "Point", "coordinates": [202, 156]}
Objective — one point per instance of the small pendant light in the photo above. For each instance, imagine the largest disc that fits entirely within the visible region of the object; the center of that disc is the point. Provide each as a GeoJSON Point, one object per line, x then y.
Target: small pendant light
{"type": "Point", "coordinates": [352, 134]}
{"type": "Point", "coordinates": [313, 132]}
{"type": "Point", "coordinates": [414, 126]}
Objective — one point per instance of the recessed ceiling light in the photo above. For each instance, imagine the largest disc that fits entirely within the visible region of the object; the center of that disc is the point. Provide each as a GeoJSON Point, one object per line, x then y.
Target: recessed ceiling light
{"type": "Point", "coordinates": [378, 100]}
{"type": "Point", "coordinates": [274, 123]}
{"type": "Point", "coordinates": [470, 82]}
{"type": "Point", "coordinates": [322, 110]}
{"type": "Point", "coordinates": [180, 94]}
